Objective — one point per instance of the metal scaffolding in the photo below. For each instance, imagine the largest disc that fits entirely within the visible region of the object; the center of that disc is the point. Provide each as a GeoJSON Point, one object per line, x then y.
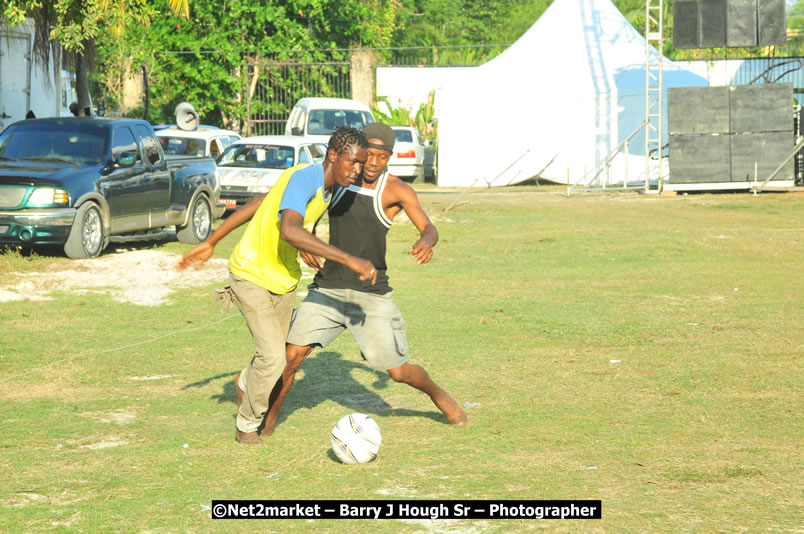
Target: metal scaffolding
{"type": "Point", "coordinates": [654, 26]}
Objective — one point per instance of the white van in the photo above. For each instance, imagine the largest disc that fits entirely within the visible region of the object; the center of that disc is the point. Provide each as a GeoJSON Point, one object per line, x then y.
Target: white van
{"type": "Point", "coordinates": [317, 118]}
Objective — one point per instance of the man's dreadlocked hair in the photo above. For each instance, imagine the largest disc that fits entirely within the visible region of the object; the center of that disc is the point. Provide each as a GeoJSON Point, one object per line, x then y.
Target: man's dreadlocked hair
{"type": "Point", "coordinates": [344, 136]}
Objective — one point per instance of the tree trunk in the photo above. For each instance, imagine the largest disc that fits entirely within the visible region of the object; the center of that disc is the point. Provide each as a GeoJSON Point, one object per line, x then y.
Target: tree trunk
{"type": "Point", "coordinates": [82, 85]}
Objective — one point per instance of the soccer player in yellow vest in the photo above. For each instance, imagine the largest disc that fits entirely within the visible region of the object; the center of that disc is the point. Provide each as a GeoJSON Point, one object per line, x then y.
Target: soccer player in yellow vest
{"type": "Point", "coordinates": [264, 268]}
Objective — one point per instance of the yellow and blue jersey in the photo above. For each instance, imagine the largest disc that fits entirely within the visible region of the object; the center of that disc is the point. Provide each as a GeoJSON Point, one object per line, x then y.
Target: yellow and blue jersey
{"type": "Point", "coordinates": [260, 256]}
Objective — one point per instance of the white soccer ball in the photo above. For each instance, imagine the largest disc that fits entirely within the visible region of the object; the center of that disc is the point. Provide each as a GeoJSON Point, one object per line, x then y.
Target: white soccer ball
{"type": "Point", "coordinates": [356, 439]}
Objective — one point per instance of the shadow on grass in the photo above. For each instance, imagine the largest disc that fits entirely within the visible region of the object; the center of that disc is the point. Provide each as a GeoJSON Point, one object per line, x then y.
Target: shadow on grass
{"type": "Point", "coordinates": [146, 241]}
{"type": "Point", "coordinates": [328, 376]}
{"type": "Point", "coordinates": [228, 389]}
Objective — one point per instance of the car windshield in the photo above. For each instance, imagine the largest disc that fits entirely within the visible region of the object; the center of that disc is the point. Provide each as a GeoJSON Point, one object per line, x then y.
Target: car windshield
{"type": "Point", "coordinates": [66, 142]}
{"type": "Point", "coordinates": [184, 146]}
{"type": "Point", "coordinates": [318, 151]}
{"type": "Point", "coordinates": [324, 121]}
{"type": "Point", "coordinates": [258, 155]}
{"type": "Point", "coordinates": [403, 136]}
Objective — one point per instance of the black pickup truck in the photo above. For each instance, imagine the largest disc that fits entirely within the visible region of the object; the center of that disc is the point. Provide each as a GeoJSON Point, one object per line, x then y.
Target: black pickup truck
{"type": "Point", "coordinates": [76, 182]}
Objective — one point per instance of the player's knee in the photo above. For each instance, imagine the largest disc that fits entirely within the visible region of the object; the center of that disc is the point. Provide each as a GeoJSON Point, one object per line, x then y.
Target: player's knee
{"type": "Point", "coordinates": [295, 355]}
{"type": "Point", "coordinates": [398, 374]}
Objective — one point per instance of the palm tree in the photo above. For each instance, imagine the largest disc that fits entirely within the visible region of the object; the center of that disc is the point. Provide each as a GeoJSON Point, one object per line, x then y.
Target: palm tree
{"type": "Point", "coordinates": [180, 8]}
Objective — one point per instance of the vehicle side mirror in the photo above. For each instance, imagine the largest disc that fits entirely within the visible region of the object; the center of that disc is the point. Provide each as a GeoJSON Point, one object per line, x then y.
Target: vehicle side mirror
{"type": "Point", "coordinates": [295, 131]}
{"type": "Point", "coordinates": [125, 159]}
{"type": "Point", "coordinates": [429, 143]}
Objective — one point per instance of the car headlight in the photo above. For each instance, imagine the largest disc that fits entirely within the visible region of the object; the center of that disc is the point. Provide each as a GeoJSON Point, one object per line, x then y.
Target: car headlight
{"type": "Point", "coordinates": [47, 196]}
{"type": "Point", "coordinates": [258, 188]}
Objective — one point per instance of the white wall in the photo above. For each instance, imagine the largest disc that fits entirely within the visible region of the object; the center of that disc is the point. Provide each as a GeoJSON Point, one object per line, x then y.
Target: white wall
{"type": "Point", "coordinates": [408, 87]}
{"type": "Point", "coordinates": [25, 84]}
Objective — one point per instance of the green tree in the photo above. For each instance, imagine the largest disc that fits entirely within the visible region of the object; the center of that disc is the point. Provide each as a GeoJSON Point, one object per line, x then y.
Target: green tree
{"type": "Point", "coordinates": [76, 24]}
{"type": "Point", "coordinates": [464, 23]}
{"type": "Point", "coordinates": [203, 59]}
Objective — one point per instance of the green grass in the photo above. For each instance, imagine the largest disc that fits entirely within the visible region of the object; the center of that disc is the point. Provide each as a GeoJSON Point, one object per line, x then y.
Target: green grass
{"type": "Point", "coordinates": [655, 340]}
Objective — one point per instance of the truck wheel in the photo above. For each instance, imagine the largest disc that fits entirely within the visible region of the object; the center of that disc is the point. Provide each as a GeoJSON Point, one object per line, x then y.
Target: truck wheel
{"type": "Point", "coordinates": [86, 235]}
{"type": "Point", "coordinates": [200, 224]}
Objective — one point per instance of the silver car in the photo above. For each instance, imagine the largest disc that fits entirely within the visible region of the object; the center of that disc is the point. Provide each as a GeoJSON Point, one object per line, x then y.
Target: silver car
{"type": "Point", "coordinates": [412, 158]}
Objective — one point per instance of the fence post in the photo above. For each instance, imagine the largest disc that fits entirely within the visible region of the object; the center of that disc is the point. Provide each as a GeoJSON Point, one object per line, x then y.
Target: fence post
{"type": "Point", "coordinates": [362, 76]}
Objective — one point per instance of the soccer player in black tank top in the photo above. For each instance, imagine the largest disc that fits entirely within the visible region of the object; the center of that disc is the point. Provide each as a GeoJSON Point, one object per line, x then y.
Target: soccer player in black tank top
{"type": "Point", "coordinates": [390, 196]}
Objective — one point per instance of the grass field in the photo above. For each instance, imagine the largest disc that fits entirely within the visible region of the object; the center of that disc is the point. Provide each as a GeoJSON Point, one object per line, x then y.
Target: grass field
{"type": "Point", "coordinates": [639, 350]}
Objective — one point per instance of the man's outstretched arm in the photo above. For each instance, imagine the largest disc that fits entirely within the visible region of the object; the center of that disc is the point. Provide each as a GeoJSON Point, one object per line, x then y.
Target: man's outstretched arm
{"type": "Point", "coordinates": [199, 254]}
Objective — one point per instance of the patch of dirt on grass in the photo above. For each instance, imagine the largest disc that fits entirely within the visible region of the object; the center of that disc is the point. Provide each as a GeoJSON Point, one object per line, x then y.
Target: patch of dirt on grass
{"type": "Point", "coordinates": [105, 444]}
{"type": "Point", "coordinates": [141, 277]}
{"type": "Point", "coordinates": [452, 526]}
{"type": "Point", "coordinates": [397, 492]}
{"type": "Point", "coordinates": [154, 377]}
{"type": "Point", "coordinates": [120, 417]}
{"type": "Point", "coordinates": [24, 498]}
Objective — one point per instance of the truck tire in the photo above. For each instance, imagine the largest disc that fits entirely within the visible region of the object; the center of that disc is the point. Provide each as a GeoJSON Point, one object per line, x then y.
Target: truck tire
{"type": "Point", "coordinates": [200, 224]}
{"type": "Point", "coordinates": [86, 235]}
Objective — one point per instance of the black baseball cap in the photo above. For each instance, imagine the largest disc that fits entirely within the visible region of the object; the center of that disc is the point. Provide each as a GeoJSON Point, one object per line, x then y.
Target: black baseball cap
{"type": "Point", "coordinates": [383, 132]}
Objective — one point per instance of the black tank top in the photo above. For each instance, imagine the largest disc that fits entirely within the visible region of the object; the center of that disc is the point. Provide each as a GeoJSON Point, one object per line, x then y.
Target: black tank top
{"type": "Point", "coordinates": [357, 225]}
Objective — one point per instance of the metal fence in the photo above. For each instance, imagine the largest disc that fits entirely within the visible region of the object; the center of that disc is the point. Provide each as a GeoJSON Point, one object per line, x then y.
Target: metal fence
{"type": "Point", "coordinates": [745, 71]}
{"type": "Point", "coordinates": [275, 83]}
{"type": "Point", "coordinates": [275, 86]}
{"type": "Point", "coordinates": [772, 70]}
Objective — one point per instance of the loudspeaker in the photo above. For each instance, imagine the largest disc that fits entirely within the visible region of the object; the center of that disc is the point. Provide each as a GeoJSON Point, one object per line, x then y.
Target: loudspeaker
{"type": "Point", "coordinates": [698, 110]}
{"type": "Point", "coordinates": [685, 25]}
{"type": "Point", "coordinates": [700, 159]}
{"type": "Point", "coordinates": [186, 116]}
{"type": "Point", "coordinates": [763, 152]}
{"type": "Point", "coordinates": [772, 29]}
{"type": "Point", "coordinates": [730, 23]}
{"type": "Point", "coordinates": [762, 107]}
{"type": "Point", "coordinates": [742, 29]}
{"type": "Point", "coordinates": [712, 22]}
{"type": "Point", "coordinates": [722, 134]}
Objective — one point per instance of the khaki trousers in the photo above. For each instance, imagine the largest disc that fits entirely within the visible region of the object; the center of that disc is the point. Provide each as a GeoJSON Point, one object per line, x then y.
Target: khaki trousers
{"type": "Point", "coordinates": [268, 318]}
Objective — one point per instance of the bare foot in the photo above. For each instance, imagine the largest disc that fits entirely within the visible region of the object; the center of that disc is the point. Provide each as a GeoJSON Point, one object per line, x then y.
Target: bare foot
{"type": "Point", "coordinates": [452, 410]}
{"type": "Point", "coordinates": [458, 417]}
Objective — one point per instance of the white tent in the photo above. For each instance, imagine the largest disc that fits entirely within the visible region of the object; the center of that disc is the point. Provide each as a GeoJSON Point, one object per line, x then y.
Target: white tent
{"type": "Point", "coordinates": [569, 90]}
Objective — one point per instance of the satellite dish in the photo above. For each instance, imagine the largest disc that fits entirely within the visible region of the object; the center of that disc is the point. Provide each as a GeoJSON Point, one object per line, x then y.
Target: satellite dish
{"type": "Point", "coordinates": [186, 116]}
